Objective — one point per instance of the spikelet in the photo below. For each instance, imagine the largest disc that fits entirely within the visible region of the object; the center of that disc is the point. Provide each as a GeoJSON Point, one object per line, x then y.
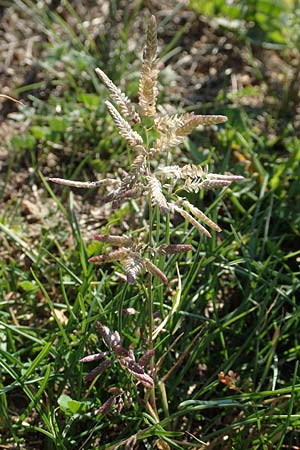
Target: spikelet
{"type": "Point", "coordinates": [98, 370]}
{"type": "Point", "coordinates": [146, 358]}
{"type": "Point", "coordinates": [83, 184]}
{"type": "Point", "coordinates": [107, 406]}
{"type": "Point", "coordinates": [192, 174]}
{"type": "Point", "coordinates": [137, 372]}
{"type": "Point", "coordinates": [174, 172]}
{"type": "Point", "coordinates": [214, 180]}
{"type": "Point", "coordinates": [114, 240]}
{"type": "Point", "coordinates": [173, 249]}
{"type": "Point", "coordinates": [152, 268]}
{"type": "Point", "coordinates": [95, 357]}
{"type": "Point", "coordinates": [157, 195]}
{"type": "Point", "coordinates": [112, 339]}
{"type": "Point", "coordinates": [133, 139]}
{"type": "Point", "coordinates": [123, 102]}
{"type": "Point", "coordinates": [133, 266]}
{"type": "Point", "coordinates": [193, 171]}
{"type": "Point", "coordinates": [200, 215]}
{"type": "Point", "coordinates": [165, 124]}
{"type": "Point", "coordinates": [115, 255]}
{"type": "Point", "coordinates": [179, 127]}
{"type": "Point", "coordinates": [148, 82]}
{"type": "Point", "coordinates": [194, 121]}
{"type": "Point", "coordinates": [197, 178]}
{"type": "Point", "coordinates": [191, 219]}
{"type": "Point", "coordinates": [139, 164]}
{"type": "Point", "coordinates": [138, 167]}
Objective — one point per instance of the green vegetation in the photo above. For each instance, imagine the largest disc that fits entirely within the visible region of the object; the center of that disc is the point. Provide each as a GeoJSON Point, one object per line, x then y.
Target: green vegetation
{"type": "Point", "coordinates": [226, 361]}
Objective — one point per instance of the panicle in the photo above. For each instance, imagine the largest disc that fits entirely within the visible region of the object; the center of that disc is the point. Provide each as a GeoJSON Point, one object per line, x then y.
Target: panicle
{"type": "Point", "coordinates": [125, 357]}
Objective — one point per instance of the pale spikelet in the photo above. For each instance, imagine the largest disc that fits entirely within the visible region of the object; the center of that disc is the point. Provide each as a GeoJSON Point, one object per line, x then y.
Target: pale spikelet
{"type": "Point", "coordinates": [174, 172]}
{"type": "Point", "coordinates": [168, 123]}
{"type": "Point", "coordinates": [200, 215]}
{"type": "Point", "coordinates": [148, 82]}
{"type": "Point", "coordinates": [162, 123]}
{"type": "Point", "coordinates": [139, 164]}
{"type": "Point", "coordinates": [148, 90]}
{"type": "Point", "coordinates": [193, 175]}
{"type": "Point", "coordinates": [114, 240]}
{"type": "Point", "coordinates": [193, 171]}
{"type": "Point", "coordinates": [194, 121]}
{"type": "Point", "coordinates": [133, 139]}
{"type": "Point", "coordinates": [197, 178]}
{"type": "Point", "coordinates": [225, 177]}
{"type": "Point", "coordinates": [150, 49]}
{"type": "Point", "coordinates": [133, 266]}
{"type": "Point", "coordinates": [228, 177]}
{"type": "Point", "coordinates": [178, 127]}
{"type": "Point", "coordinates": [84, 184]}
{"type": "Point", "coordinates": [115, 255]}
{"type": "Point", "coordinates": [152, 268]}
{"type": "Point", "coordinates": [157, 195]}
{"type": "Point", "coordinates": [207, 184]}
{"type": "Point", "coordinates": [173, 249]}
{"type": "Point", "coordinates": [123, 102]}
{"type": "Point", "coordinates": [95, 357]}
{"type": "Point", "coordinates": [191, 220]}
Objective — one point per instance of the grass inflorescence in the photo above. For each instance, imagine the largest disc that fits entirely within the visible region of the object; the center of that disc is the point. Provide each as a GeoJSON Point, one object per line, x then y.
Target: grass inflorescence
{"type": "Point", "coordinates": [157, 308]}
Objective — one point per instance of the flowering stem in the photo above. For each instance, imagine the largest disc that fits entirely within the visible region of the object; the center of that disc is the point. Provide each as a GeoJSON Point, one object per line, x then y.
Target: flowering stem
{"type": "Point", "coordinates": [149, 294]}
{"type": "Point", "coordinates": [150, 279]}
